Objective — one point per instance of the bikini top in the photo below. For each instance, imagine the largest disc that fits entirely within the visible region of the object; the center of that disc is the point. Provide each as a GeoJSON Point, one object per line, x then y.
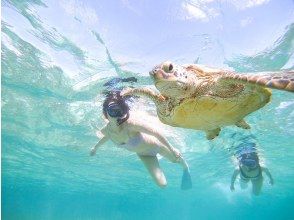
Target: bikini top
{"type": "Point", "coordinates": [118, 138]}
{"type": "Point", "coordinates": [245, 177]}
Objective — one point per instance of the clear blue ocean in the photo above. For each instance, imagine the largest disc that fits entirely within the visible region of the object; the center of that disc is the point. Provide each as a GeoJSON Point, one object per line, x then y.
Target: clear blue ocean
{"type": "Point", "coordinates": [58, 58]}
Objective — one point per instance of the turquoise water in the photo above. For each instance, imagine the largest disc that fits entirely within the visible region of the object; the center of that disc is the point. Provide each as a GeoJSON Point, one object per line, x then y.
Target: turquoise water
{"type": "Point", "coordinates": [52, 90]}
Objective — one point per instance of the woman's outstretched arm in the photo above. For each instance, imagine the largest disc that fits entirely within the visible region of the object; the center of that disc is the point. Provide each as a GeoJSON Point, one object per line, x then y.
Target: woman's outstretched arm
{"type": "Point", "coordinates": [233, 179]}
{"type": "Point", "coordinates": [100, 142]}
{"type": "Point", "coordinates": [267, 172]}
{"type": "Point", "coordinates": [152, 131]}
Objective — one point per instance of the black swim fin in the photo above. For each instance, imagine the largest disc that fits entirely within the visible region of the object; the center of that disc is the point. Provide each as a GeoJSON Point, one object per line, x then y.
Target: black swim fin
{"type": "Point", "coordinates": [186, 180]}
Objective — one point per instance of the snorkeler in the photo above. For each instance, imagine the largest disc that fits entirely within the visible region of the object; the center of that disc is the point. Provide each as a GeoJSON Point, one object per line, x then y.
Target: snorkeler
{"type": "Point", "coordinates": [141, 138]}
{"type": "Point", "coordinates": [250, 169]}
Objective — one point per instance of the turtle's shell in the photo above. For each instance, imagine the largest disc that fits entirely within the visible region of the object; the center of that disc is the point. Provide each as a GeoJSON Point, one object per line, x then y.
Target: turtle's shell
{"type": "Point", "coordinates": [209, 112]}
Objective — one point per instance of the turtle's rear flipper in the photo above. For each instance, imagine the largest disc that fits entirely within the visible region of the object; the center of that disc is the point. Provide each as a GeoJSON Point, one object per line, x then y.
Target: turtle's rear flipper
{"type": "Point", "coordinates": [242, 124]}
{"type": "Point", "coordinates": [211, 134]}
{"type": "Point", "coordinates": [283, 80]}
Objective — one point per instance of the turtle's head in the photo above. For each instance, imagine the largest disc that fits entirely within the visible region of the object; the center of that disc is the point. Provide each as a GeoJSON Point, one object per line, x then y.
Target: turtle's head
{"type": "Point", "coordinates": [171, 80]}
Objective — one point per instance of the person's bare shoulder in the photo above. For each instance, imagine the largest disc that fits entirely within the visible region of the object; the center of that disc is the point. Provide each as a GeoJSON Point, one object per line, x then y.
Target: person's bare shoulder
{"type": "Point", "coordinates": [134, 124]}
{"type": "Point", "coordinates": [131, 124]}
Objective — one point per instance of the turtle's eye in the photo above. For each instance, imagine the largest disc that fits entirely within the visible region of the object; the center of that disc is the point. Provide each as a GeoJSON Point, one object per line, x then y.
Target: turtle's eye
{"type": "Point", "coordinates": [167, 66]}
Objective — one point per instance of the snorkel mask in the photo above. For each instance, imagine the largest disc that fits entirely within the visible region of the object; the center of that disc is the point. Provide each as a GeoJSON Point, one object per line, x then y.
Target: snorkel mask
{"type": "Point", "coordinates": [249, 161]}
{"type": "Point", "coordinates": [251, 164]}
{"type": "Point", "coordinates": [114, 106]}
{"type": "Point", "coordinates": [114, 110]}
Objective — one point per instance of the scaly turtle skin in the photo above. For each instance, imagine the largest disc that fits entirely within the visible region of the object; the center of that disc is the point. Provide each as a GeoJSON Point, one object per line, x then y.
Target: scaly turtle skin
{"type": "Point", "coordinates": [201, 98]}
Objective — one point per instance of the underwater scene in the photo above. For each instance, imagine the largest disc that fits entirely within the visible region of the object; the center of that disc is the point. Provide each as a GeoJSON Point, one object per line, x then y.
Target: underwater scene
{"type": "Point", "coordinates": [108, 113]}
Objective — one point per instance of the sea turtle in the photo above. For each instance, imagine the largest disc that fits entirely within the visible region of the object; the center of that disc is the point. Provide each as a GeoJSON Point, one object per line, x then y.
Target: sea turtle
{"type": "Point", "coordinates": [201, 98]}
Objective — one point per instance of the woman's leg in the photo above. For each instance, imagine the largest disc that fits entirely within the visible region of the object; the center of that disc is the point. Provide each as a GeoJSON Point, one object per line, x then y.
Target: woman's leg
{"type": "Point", "coordinates": [152, 165]}
{"type": "Point", "coordinates": [243, 183]}
{"type": "Point", "coordinates": [257, 185]}
{"type": "Point", "coordinates": [154, 147]}
{"type": "Point", "coordinates": [165, 152]}
{"type": "Point", "coordinates": [186, 177]}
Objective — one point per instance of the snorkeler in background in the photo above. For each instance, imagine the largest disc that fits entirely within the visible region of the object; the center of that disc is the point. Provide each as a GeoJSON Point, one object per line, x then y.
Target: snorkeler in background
{"type": "Point", "coordinates": [141, 138]}
{"type": "Point", "coordinates": [249, 169]}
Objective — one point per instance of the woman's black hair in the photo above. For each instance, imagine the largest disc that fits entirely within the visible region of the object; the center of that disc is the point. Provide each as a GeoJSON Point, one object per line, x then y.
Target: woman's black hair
{"type": "Point", "coordinates": [115, 97]}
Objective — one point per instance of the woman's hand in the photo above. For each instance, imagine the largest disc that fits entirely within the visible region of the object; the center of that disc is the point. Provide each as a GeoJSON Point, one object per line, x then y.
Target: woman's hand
{"type": "Point", "coordinates": [177, 153]}
{"type": "Point", "coordinates": [93, 151]}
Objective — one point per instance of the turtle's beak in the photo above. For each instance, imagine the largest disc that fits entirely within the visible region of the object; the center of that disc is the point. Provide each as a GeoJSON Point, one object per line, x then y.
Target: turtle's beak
{"type": "Point", "coordinates": [158, 74]}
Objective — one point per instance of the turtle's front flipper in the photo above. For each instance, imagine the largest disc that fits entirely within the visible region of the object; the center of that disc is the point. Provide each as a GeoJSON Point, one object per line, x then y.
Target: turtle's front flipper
{"type": "Point", "coordinates": [283, 80]}
{"type": "Point", "coordinates": [155, 97]}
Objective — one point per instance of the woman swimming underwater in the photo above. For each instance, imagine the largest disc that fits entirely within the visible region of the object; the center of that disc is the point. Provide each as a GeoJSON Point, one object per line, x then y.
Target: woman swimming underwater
{"type": "Point", "coordinates": [249, 169]}
{"type": "Point", "coordinates": [141, 138]}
